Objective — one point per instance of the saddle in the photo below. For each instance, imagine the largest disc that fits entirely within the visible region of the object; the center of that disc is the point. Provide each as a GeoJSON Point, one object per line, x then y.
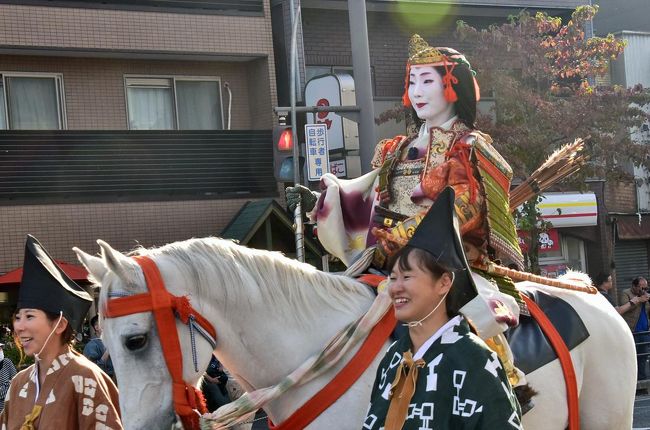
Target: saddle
{"type": "Point", "coordinates": [529, 345]}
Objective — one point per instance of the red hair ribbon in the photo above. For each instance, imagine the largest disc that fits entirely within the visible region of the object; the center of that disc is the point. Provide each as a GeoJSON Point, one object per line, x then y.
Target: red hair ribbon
{"type": "Point", "coordinates": [449, 80]}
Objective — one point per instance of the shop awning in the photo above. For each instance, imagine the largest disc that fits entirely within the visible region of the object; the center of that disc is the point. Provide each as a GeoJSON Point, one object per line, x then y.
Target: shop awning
{"type": "Point", "coordinates": [569, 209]}
{"type": "Point", "coordinates": [633, 227]}
{"type": "Point", "coordinates": [76, 273]}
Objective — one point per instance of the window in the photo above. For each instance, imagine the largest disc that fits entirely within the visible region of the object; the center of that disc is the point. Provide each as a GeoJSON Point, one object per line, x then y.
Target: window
{"type": "Point", "coordinates": [32, 102]}
{"type": "Point", "coordinates": [173, 103]}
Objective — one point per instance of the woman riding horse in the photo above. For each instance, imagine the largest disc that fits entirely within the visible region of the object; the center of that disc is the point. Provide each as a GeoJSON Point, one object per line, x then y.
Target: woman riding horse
{"type": "Point", "coordinates": [409, 174]}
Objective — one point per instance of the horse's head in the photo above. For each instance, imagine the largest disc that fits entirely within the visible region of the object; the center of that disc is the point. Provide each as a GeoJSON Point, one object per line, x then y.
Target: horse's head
{"type": "Point", "coordinates": [143, 377]}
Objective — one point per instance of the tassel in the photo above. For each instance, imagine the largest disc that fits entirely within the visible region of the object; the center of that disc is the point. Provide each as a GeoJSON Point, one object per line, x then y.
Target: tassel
{"type": "Point", "coordinates": [449, 80]}
{"type": "Point", "coordinates": [182, 307]}
{"type": "Point", "coordinates": [450, 94]}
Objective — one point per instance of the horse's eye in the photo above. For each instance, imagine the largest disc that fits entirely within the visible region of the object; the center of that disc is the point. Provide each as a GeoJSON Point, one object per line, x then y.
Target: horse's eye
{"type": "Point", "coordinates": [136, 342]}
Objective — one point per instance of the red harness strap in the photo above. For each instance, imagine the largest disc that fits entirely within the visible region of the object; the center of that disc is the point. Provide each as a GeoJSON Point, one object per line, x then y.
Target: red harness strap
{"type": "Point", "coordinates": [344, 379]}
{"type": "Point", "coordinates": [372, 280]}
{"type": "Point", "coordinates": [165, 308]}
{"type": "Point", "coordinates": [565, 360]}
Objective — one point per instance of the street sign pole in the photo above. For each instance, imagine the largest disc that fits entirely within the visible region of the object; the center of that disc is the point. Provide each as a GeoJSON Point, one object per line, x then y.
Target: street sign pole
{"type": "Point", "coordinates": [297, 214]}
{"type": "Point", "coordinates": [362, 80]}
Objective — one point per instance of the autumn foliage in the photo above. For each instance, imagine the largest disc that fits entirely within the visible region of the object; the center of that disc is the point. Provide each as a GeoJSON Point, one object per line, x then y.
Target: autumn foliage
{"type": "Point", "coordinates": [545, 78]}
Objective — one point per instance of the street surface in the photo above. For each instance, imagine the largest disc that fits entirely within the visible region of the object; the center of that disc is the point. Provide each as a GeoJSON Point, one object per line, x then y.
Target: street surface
{"type": "Point", "coordinates": [642, 412]}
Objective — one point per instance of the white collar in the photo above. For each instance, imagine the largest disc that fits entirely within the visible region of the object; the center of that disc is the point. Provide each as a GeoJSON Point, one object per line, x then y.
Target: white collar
{"type": "Point", "coordinates": [426, 345]}
{"type": "Point", "coordinates": [424, 130]}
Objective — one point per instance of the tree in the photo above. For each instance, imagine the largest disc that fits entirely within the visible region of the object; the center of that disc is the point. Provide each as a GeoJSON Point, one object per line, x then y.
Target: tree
{"type": "Point", "coordinates": [541, 73]}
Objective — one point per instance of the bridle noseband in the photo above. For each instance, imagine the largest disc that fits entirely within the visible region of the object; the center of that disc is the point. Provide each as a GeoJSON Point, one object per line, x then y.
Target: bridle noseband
{"type": "Point", "coordinates": [188, 400]}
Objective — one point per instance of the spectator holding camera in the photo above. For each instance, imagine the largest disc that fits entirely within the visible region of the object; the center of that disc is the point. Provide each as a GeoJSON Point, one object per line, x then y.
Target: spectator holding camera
{"type": "Point", "coordinates": [635, 312]}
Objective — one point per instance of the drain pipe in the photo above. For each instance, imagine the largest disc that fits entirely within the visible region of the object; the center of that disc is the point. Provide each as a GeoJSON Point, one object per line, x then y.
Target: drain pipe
{"type": "Point", "coordinates": [226, 85]}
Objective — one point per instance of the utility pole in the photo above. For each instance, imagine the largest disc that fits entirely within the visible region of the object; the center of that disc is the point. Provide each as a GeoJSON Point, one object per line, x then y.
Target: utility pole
{"type": "Point", "coordinates": [362, 80]}
{"type": "Point", "coordinates": [297, 213]}
{"type": "Point", "coordinates": [363, 113]}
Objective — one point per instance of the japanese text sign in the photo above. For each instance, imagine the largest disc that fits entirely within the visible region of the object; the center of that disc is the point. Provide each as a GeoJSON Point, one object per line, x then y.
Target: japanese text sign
{"type": "Point", "coordinates": [317, 151]}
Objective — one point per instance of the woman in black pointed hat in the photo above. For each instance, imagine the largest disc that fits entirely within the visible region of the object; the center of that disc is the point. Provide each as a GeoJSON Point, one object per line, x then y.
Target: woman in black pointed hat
{"type": "Point", "coordinates": [441, 375]}
{"type": "Point", "coordinates": [62, 389]}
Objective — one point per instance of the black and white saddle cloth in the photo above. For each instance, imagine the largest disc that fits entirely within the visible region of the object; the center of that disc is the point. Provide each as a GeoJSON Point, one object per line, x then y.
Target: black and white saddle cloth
{"type": "Point", "coordinates": [530, 347]}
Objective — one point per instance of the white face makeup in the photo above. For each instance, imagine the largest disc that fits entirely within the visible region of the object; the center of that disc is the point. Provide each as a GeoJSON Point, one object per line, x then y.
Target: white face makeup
{"type": "Point", "coordinates": [426, 93]}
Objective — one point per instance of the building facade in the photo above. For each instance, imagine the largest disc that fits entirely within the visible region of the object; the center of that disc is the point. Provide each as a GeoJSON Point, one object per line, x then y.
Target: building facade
{"type": "Point", "coordinates": [137, 122]}
{"type": "Point", "coordinates": [629, 208]}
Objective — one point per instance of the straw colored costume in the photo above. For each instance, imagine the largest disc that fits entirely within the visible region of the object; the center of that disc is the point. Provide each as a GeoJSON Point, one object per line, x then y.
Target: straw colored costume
{"type": "Point", "coordinates": [74, 395]}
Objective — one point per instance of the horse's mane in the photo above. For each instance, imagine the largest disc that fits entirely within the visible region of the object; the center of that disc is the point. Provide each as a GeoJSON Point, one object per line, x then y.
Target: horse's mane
{"type": "Point", "coordinates": [246, 275]}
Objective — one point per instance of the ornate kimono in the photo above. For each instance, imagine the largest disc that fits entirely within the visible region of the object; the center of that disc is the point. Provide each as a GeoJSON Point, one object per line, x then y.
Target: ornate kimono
{"type": "Point", "coordinates": [409, 173]}
{"type": "Point", "coordinates": [460, 384]}
{"type": "Point", "coordinates": [75, 394]}
{"type": "Point", "coordinates": [401, 189]}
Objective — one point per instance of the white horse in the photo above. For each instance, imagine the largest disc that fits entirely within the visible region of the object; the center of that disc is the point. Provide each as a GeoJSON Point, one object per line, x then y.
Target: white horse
{"type": "Point", "coordinates": [271, 313]}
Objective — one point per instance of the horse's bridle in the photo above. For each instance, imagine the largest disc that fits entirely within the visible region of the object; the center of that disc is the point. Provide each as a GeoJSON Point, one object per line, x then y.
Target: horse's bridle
{"type": "Point", "coordinates": [188, 400]}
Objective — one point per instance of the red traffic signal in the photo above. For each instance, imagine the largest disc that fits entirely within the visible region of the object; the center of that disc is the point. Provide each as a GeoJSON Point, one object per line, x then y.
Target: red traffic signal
{"type": "Point", "coordinates": [283, 154]}
{"type": "Point", "coordinates": [285, 141]}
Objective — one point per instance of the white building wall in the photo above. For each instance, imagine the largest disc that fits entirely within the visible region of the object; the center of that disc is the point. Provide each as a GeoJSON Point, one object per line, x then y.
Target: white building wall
{"type": "Point", "coordinates": [633, 66]}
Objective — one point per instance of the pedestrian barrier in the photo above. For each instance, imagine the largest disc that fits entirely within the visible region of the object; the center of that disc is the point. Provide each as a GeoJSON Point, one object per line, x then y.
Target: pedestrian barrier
{"type": "Point", "coordinates": [642, 342]}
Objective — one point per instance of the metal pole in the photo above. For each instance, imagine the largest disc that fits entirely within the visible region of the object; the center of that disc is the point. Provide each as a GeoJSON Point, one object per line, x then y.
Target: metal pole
{"type": "Point", "coordinates": [362, 80]}
{"type": "Point", "coordinates": [297, 214]}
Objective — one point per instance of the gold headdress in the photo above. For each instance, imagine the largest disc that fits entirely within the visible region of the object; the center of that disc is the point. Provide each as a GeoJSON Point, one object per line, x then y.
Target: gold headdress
{"type": "Point", "coordinates": [420, 53]}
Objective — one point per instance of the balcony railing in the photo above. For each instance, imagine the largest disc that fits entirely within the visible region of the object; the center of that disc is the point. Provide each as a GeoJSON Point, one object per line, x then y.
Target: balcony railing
{"type": "Point", "coordinates": [93, 166]}
{"type": "Point", "coordinates": [234, 7]}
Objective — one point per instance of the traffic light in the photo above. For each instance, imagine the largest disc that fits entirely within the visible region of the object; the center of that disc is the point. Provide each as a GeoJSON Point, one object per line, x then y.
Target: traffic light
{"type": "Point", "coordinates": [283, 153]}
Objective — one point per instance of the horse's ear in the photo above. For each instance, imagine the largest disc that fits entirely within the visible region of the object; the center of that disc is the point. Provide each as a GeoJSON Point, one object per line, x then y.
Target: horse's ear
{"type": "Point", "coordinates": [95, 265]}
{"type": "Point", "coordinates": [115, 261]}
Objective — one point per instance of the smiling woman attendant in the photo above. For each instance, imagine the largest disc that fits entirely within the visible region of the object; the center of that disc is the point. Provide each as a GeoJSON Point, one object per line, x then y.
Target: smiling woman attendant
{"type": "Point", "coordinates": [63, 389]}
{"type": "Point", "coordinates": [440, 376]}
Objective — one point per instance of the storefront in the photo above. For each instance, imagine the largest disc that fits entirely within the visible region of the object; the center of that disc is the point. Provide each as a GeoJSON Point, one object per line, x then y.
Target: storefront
{"type": "Point", "coordinates": [559, 250]}
{"type": "Point", "coordinates": [631, 248]}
